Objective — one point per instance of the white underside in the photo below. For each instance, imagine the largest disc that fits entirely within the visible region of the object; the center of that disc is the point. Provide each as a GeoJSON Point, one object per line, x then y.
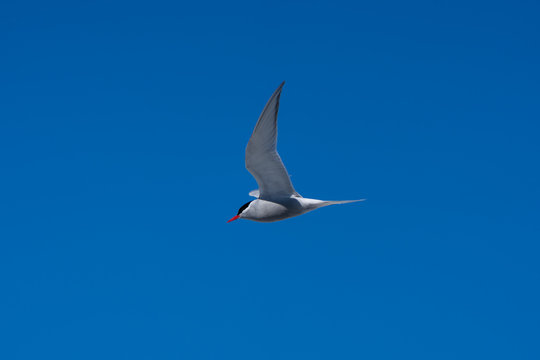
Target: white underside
{"type": "Point", "coordinates": [284, 208]}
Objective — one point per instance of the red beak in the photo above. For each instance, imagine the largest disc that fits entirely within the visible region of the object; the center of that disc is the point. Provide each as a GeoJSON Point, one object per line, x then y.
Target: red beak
{"type": "Point", "coordinates": [233, 218]}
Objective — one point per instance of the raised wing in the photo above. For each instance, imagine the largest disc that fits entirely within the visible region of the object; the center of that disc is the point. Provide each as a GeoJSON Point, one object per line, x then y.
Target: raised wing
{"type": "Point", "coordinates": [262, 159]}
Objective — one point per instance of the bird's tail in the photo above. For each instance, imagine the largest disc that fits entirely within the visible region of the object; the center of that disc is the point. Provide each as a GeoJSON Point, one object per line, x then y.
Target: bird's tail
{"type": "Point", "coordinates": [326, 203]}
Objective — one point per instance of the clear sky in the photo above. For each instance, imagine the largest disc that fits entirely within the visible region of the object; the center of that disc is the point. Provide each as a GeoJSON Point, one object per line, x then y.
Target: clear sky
{"type": "Point", "coordinates": [122, 134]}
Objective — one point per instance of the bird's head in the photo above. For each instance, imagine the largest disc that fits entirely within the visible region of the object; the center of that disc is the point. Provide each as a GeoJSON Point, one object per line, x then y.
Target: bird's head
{"type": "Point", "coordinates": [241, 212]}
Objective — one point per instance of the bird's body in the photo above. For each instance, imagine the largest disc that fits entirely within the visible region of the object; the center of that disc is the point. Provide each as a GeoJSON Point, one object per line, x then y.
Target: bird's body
{"type": "Point", "coordinates": [276, 197]}
{"type": "Point", "coordinates": [284, 208]}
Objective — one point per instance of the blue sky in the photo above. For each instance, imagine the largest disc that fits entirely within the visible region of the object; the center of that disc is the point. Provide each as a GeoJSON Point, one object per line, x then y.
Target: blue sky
{"type": "Point", "coordinates": [122, 134]}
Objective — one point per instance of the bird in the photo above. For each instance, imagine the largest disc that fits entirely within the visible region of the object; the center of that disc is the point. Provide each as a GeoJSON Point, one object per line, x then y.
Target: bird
{"type": "Point", "coordinates": [276, 198]}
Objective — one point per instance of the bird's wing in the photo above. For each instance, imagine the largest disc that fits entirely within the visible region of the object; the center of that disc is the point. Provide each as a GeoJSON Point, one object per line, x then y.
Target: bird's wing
{"type": "Point", "coordinates": [262, 158]}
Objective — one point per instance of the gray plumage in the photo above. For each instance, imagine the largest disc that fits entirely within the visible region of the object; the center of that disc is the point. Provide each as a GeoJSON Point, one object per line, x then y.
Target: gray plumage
{"type": "Point", "coordinates": [276, 197]}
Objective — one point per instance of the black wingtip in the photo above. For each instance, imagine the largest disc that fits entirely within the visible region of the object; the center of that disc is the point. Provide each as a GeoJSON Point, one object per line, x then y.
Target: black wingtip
{"type": "Point", "coordinates": [280, 87]}
{"type": "Point", "coordinates": [278, 91]}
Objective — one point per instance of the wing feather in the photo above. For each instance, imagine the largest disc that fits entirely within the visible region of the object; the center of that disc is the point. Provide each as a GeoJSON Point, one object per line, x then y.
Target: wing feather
{"type": "Point", "coordinates": [262, 158]}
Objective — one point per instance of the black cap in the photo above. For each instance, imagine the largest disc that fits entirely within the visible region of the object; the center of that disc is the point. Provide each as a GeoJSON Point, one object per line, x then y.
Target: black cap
{"type": "Point", "coordinates": [243, 207]}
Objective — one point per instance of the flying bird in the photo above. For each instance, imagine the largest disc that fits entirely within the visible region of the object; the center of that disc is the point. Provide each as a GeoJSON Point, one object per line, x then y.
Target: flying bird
{"type": "Point", "coordinates": [276, 197]}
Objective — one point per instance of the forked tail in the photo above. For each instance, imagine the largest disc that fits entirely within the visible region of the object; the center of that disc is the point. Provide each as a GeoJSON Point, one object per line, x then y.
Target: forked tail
{"type": "Point", "coordinates": [326, 203]}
